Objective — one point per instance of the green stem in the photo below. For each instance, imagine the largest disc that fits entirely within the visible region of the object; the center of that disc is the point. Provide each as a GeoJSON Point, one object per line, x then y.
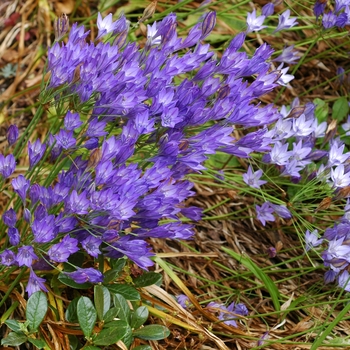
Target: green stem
{"type": "Point", "coordinates": [13, 285]}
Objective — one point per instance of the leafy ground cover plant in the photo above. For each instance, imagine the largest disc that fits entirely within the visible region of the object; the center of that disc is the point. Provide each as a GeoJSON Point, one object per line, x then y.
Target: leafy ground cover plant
{"type": "Point", "coordinates": [129, 126]}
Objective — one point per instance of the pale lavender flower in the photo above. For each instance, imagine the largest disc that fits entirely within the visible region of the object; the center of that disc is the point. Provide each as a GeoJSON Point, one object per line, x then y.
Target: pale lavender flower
{"type": "Point", "coordinates": [303, 126]}
{"type": "Point", "coordinates": [344, 280]}
{"type": "Point", "coordinates": [285, 22]}
{"type": "Point", "coordinates": [254, 23]}
{"type": "Point", "coordinates": [252, 178]}
{"type": "Point", "coordinates": [105, 25]}
{"type": "Point", "coordinates": [183, 300]}
{"type": "Point", "coordinates": [346, 126]}
{"type": "Point", "coordinates": [336, 155]}
{"type": "Point", "coordinates": [263, 338]}
{"type": "Point", "coordinates": [312, 240]}
{"type": "Point", "coordinates": [264, 213]}
{"type": "Point", "coordinates": [152, 37]}
{"type": "Point", "coordinates": [280, 154]}
{"type": "Point", "coordinates": [339, 177]}
{"type": "Point", "coordinates": [288, 55]}
{"type": "Point", "coordinates": [284, 78]}
{"type": "Point", "coordinates": [281, 210]}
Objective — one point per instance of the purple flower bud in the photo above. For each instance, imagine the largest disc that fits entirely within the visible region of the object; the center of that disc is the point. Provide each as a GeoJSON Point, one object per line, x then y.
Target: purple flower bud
{"type": "Point", "coordinates": [44, 229]}
{"type": "Point", "coordinates": [12, 134]}
{"type": "Point", "coordinates": [61, 25]}
{"type": "Point", "coordinates": [9, 218]}
{"type": "Point", "coordinates": [21, 185]}
{"type": "Point", "coordinates": [183, 300]}
{"type": "Point", "coordinates": [208, 24]}
{"type": "Point", "coordinates": [7, 165]}
{"type": "Point", "coordinates": [34, 193]}
{"type": "Point", "coordinates": [14, 236]}
{"type": "Point", "coordinates": [268, 9]}
{"type": "Point", "coordinates": [35, 152]}
{"type": "Point", "coordinates": [272, 252]}
{"type": "Point", "coordinates": [86, 275]}
{"type": "Point", "coordinates": [27, 215]}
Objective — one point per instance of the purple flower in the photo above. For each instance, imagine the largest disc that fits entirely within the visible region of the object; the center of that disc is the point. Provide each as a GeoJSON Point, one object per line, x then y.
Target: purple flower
{"type": "Point", "coordinates": [329, 20]}
{"type": "Point", "coordinates": [285, 22]}
{"type": "Point", "coordinates": [264, 213]}
{"type": "Point", "coordinates": [183, 300]}
{"type": "Point", "coordinates": [21, 185]}
{"type": "Point", "coordinates": [72, 121]}
{"type": "Point", "coordinates": [105, 25]}
{"type": "Point", "coordinates": [280, 154]}
{"type": "Point", "coordinates": [281, 210]}
{"type": "Point", "coordinates": [8, 258]}
{"type": "Point", "coordinates": [344, 281]}
{"type": "Point", "coordinates": [92, 244]}
{"type": "Point", "coordinates": [35, 283]}
{"type": "Point", "coordinates": [60, 252]}
{"type": "Point", "coordinates": [26, 255]}
{"type": "Point", "coordinates": [336, 155]}
{"type": "Point", "coordinates": [312, 240]}
{"type": "Point", "coordinates": [319, 8]}
{"type": "Point", "coordinates": [339, 177]}
{"type": "Point", "coordinates": [44, 229]}
{"type": "Point", "coordinates": [288, 55]}
{"type": "Point", "coordinates": [65, 139]}
{"type": "Point", "coordinates": [77, 203]}
{"type": "Point", "coordinates": [228, 314]}
{"type": "Point", "coordinates": [86, 275]}
{"type": "Point", "coordinates": [252, 179]}
{"type": "Point", "coordinates": [12, 134]}
{"type": "Point", "coordinates": [35, 152]}
{"type": "Point", "coordinates": [7, 165]}
{"type": "Point", "coordinates": [9, 218]}
{"type": "Point", "coordinates": [254, 23]}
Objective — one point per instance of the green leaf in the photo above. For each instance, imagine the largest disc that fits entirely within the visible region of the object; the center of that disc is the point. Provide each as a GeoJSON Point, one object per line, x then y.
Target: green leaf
{"type": "Point", "coordinates": [14, 339]}
{"type": "Point", "coordinates": [86, 315]}
{"type": "Point", "coordinates": [111, 314]}
{"type": "Point", "coordinates": [14, 325]}
{"type": "Point", "coordinates": [36, 310]}
{"type": "Point", "coordinates": [147, 279]}
{"type": "Point", "coordinates": [102, 298]}
{"type": "Point", "coordinates": [265, 279]}
{"type": "Point", "coordinates": [63, 278]}
{"type": "Point", "coordinates": [90, 347]}
{"type": "Point", "coordinates": [71, 312]}
{"type": "Point", "coordinates": [128, 292]}
{"type": "Point", "coordinates": [124, 309]}
{"type": "Point", "coordinates": [322, 110]}
{"type": "Point", "coordinates": [340, 109]}
{"type": "Point", "coordinates": [143, 347]}
{"type": "Point", "coordinates": [139, 317]}
{"type": "Point", "coordinates": [112, 274]}
{"type": "Point", "coordinates": [152, 332]}
{"type": "Point", "coordinates": [73, 342]}
{"type": "Point", "coordinates": [111, 335]}
{"type": "Point", "coordinates": [39, 343]}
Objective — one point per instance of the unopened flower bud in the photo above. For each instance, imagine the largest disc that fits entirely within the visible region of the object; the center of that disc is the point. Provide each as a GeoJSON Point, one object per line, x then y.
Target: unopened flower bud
{"type": "Point", "coordinates": [12, 134]}
{"type": "Point", "coordinates": [208, 24]}
{"type": "Point", "coordinates": [61, 26]}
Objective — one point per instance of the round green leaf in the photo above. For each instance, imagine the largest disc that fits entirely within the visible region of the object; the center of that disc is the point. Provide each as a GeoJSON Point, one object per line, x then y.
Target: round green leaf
{"type": "Point", "coordinates": [128, 292]}
{"type": "Point", "coordinates": [111, 335]}
{"type": "Point", "coordinates": [139, 317]}
{"type": "Point", "coordinates": [147, 279]}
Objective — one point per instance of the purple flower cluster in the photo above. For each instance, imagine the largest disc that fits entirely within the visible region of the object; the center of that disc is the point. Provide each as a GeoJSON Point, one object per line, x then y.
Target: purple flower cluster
{"type": "Point", "coordinates": [128, 161]}
{"type": "Point", "coordinates": [227, 314]}
{"type": "Point", "coordinates": [336, 16]}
